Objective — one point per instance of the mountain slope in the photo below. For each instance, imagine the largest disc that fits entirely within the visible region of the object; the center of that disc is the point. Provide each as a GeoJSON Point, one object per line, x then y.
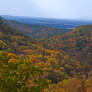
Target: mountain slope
{"type": "Point", "coordinates": [13, 40]}
{"type": "Point", "coordinates": [36, 31]}
{"type": "Point", "coordinates": [77, 43]}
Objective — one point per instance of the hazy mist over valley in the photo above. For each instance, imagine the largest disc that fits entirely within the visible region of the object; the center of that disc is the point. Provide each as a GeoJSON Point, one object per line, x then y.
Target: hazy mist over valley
{"type": "Point", "coordinates": [50, 22]}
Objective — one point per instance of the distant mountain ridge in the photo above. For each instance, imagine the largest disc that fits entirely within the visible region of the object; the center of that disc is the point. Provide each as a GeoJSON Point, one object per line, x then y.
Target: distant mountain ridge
{"type": "Point", "coordinates": [57, 23]}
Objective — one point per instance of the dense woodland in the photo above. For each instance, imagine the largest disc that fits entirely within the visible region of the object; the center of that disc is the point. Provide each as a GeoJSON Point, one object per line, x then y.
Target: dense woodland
{"type": "Point", "coordinates": [60, 62]}
{"type": "Point", "coordinates": [77, 43]}
{"type": "Point", "coordinates": [36, 31]}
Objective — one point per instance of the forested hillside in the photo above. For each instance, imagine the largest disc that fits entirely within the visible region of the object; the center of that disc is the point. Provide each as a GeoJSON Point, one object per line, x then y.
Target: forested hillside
{"type": "Point", "coordinates": [35, 31]}
{"type": "Point", "coordinates": [77, 43]}
{"type": "Point", "coordinates": [13, 40]}
{"type": "Point", "coordinates": [28, 65]}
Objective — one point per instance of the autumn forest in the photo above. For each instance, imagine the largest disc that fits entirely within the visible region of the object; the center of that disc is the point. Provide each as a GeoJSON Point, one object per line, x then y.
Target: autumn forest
{"type": "Point", "coordinates": [36, 58]}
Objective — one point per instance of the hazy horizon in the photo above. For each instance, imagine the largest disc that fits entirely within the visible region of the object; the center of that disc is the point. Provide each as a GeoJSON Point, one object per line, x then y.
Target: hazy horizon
{"type": "Point", "coordinates": [58, 9]}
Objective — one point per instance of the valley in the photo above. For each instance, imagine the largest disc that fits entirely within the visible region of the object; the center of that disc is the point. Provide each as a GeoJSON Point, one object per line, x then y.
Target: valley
{"type": "Point", "coordinates": [40, 58]}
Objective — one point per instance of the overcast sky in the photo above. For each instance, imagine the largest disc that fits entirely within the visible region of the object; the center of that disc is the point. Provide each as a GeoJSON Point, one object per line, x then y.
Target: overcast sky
{"type": "Point", "coordinates": [67, 9]}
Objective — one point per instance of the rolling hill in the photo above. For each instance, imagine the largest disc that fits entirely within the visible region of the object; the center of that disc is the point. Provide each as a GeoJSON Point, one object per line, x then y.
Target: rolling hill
{"type": "Point", "coordinates": [13, 40]}
{"type": "Point", "coordinates": [36, 31]}
{"type": "Point", "coordinates": [77, 43]}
